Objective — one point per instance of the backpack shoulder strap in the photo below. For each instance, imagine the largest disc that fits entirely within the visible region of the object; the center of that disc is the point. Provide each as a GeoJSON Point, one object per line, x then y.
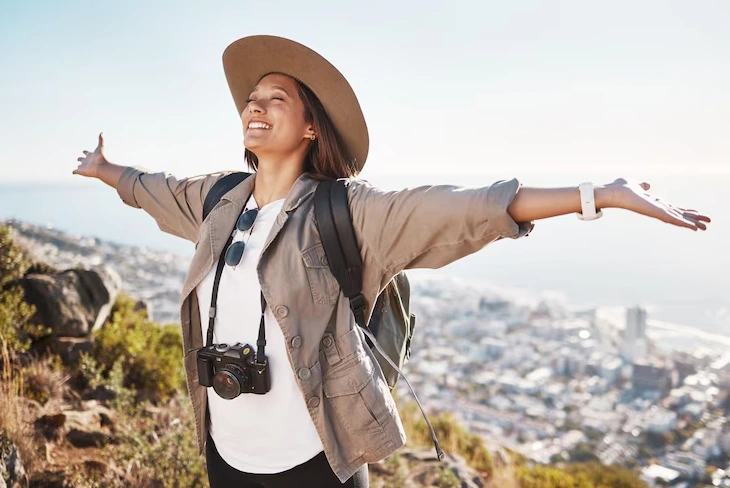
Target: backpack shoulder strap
{"type": "Point", "coordinates": [332, 210]}
{"type": "Point", "coordinates": [220, 188]}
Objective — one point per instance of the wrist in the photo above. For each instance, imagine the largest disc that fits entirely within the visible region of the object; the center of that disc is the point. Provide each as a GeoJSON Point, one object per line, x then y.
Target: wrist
{"type": "Point", "coordinates": [606, 197]}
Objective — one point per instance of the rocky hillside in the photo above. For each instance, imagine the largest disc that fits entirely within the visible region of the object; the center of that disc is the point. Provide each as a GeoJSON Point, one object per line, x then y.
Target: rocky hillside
{"type": "Point", "coordinates": [92, 394]}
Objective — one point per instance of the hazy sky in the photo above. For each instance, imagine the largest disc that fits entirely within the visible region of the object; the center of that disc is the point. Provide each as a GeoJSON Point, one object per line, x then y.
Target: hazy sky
{"type": "Point", "coordinates": [493, 87]}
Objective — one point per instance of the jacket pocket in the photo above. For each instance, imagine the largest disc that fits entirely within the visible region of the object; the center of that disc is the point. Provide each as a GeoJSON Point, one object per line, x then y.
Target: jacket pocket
{"type": "Point", "coordinates": [322, 283]}
{"type": "Point", "coordinates": [354, 397]}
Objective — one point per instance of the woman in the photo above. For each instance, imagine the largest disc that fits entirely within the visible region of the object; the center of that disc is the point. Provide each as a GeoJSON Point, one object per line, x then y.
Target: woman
{"type": "Point", "coordinates": [326, 410]}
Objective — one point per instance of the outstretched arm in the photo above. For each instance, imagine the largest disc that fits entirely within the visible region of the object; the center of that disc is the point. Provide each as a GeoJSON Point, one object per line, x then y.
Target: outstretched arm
{"type": "Point", "coordinates": [541, 203]}
{"type": "Point", "coordinates": [176, 204]}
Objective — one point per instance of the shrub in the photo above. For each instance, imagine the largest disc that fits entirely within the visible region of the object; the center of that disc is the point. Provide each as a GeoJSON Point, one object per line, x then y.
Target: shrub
{"type": "Point", "coordinates": [584, 475]}
{"type": "Point", "coordinates": [157, 450]}
{"type": "Point", "coordinates": [44, 380]}
{"type": "Point", "coordinates": [150, 354]}
{"type": "Point", "coordinates": [13, 263]}
{"type": "Point", "coordinates": [452, 436]}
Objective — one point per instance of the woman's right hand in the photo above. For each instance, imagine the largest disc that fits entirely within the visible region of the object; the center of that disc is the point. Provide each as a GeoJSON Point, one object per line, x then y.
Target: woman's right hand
{"type": "Point", "coordinates": [92, 161]}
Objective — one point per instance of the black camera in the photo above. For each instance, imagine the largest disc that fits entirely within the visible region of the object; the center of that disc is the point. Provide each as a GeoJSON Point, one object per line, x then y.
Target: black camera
{"type": "Point", "coordinates": [232, 370]}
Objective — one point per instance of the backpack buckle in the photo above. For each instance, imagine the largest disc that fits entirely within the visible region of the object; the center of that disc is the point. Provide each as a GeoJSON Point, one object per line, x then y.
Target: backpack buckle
{"type": "Point", "coordinates": [357, 303]}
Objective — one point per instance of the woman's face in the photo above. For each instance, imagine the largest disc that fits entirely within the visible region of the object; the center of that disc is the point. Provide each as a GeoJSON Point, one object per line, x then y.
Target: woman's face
{"type": "Point", "coordinates": [273, 120]}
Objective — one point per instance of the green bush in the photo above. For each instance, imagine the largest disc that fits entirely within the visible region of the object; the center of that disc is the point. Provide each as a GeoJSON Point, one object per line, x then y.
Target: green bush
{"type": "Point", "coordinates": [149, 354]}
{"type": "Point", "coordinates": [583, 475]}
{"type": "Point", "coordinates": [13, 263]}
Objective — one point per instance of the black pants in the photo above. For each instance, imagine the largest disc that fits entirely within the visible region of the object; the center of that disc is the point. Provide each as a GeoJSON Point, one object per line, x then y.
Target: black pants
{"type": "Point", "coordinates": [315, 473]}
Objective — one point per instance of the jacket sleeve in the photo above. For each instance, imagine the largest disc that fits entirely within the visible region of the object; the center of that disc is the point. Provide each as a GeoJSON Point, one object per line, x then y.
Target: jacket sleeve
{"type": "Point", "coordinates": [175, 204]}
{"type": "Point", "coordinates": [429, 226]}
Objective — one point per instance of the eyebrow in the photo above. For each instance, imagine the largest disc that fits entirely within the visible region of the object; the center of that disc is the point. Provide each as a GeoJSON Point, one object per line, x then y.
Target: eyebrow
{"type": "Point", "coordinates": [274, 87]}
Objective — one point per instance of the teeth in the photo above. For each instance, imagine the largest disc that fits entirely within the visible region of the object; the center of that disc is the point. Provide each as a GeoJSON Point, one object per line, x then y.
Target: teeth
{"type": "Point", "coordinates": [258, 125]}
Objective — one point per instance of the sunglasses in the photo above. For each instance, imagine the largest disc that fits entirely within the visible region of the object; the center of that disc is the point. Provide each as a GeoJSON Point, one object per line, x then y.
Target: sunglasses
{"type": "Point", "coordinates": [234, 253]}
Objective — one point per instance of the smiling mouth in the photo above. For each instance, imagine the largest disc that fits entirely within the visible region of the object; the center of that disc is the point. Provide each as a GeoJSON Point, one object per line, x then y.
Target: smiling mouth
{"type": "Point", "coordinates": [259, 125]}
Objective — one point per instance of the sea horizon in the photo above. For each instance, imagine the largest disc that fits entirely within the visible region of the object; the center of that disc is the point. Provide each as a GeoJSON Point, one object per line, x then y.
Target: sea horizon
{"type": "Point", "coordinates": [620, 260]}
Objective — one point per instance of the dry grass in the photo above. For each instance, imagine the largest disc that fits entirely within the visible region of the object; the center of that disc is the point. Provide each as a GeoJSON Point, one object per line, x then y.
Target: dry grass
{"type": "Point", "coordinates": [16, 419]}
{"type": "Point", "coordinates": [44, 381]}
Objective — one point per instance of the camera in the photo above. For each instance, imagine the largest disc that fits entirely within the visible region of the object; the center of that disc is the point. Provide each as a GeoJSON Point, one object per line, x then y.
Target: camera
{"type": "Point", "coordinates": [233, 370]}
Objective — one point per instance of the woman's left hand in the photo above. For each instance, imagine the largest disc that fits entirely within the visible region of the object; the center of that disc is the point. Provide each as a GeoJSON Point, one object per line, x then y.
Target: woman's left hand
{"type": "Point", "coordinates": [633, 196]}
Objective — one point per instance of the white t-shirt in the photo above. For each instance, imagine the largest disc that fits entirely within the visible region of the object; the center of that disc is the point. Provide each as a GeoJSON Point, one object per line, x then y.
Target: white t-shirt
{"type": "Point", "coordinates": [256, 433]}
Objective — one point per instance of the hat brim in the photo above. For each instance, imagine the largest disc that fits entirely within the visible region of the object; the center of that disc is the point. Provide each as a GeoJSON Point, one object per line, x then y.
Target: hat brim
{"type": "Point", "coordinates": [249, 59]}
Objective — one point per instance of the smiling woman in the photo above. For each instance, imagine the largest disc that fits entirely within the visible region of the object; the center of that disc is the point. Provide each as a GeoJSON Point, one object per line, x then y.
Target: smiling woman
{"type": "Point", "coordinates": [319, 408]}
{"type": "Point", "coordinates": [268, 132]}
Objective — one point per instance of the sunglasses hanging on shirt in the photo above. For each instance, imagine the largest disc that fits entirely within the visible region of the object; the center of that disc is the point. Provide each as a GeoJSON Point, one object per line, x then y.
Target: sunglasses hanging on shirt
{"type": "Point", "coordinates": [245, 222]}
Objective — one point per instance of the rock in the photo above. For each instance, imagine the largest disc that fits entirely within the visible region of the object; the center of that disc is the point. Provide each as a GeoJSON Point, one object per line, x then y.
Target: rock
{"type": "Point", "coordinates": [48, 479]}
{"type": "Point", "coordinates": [69, 349]}
{"type": "Point", "coordinates": [50, 426]}
{"type": "Point", "coordinates": [81, 428]}
{"type": "Point", "coordinates": [72, 302]}
{"type": "Point", "coordinates": [88, 438]}
{"type": "Point", "coordinates": [12, 471]}
{"type": "Point", "coordinates": [145, 305]}
{"type": "Point", "coordinates": [422, 468]}
{"type": "Point", "coordinates": [96, 468]}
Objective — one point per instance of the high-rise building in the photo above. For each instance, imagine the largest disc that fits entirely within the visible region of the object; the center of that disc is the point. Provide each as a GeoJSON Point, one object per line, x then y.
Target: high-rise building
{"type": "Point", "coordinates": [634, 345]}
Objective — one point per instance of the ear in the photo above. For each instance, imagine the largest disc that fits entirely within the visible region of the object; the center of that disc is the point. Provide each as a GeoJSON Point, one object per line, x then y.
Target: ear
{"type": "Point", "coordinates": [309, 132]}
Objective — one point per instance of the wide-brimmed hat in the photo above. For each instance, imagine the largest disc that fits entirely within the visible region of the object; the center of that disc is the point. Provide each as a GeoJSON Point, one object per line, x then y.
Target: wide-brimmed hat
{"type": "Point", "coordinates": [249, 59]}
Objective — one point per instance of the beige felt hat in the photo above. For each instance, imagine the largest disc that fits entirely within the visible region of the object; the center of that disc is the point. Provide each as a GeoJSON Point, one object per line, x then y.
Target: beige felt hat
{"type": "Point", "coordinates": [249, 59]}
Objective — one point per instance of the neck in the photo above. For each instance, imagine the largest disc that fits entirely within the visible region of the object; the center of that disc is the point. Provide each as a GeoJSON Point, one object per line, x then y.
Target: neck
{"type": "Point", "coordinates": [274, 180]}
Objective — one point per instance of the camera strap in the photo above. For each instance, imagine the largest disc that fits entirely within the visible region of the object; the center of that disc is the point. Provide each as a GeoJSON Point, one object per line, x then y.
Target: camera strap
{"type": "Point", "coordinates": [261, 342]}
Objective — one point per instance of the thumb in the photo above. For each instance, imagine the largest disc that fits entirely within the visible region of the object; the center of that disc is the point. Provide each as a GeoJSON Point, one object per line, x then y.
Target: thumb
{"type": "Point", "coordinates": [101, 139]}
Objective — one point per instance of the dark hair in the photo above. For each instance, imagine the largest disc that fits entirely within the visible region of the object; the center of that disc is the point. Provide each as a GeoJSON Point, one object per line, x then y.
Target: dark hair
{"type": "Point", "coordinates": [326, 157]}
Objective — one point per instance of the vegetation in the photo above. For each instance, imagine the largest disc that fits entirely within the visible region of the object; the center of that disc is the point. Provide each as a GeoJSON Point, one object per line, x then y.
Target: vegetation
{"type": "Point", "coordinates": [452, 436]}
{"type": "Point", "coordinates": [149, 354]}
{"type": "Point", "coordinates": [137, 364]}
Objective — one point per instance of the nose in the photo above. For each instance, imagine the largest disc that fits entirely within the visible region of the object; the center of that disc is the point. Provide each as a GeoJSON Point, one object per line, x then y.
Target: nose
{"type": "Point", "coordinates": [255, 106]}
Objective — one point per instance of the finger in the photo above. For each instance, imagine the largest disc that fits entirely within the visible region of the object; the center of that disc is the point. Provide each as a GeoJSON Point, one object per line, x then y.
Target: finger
{"type": "Point", "coordinates": [85, 152]}
{"type": "Point", "coordinates": [675, 218]}
{"type": "Point", "coordinates": [101, 139]}
{"type": "Point", "coordinates": [80, 159]}
{"type": "Point", "coordinates": [697, 216]}
{"type": "Point", "coordinates": [645, 185]}
{"type": "Point", "coordinates": [700, 225]}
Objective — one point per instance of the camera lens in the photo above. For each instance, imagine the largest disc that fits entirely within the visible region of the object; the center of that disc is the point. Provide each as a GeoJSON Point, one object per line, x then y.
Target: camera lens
{"type": "Point", "coordinates": [229, 381]}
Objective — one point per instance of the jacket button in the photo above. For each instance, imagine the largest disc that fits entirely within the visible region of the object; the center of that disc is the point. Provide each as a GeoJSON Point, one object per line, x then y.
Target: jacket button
{"type": "Point", "coordinates": [304, 374]}
{"type": "Point", "coordinates": [324, 261]}
{"type": "Point", "coordinates": [327, 341]}
{"type": "Point", "coordinates": [296, 342]}
{"type": "Point", "coordinates": [281, 311]}
{"type": "Point", "coordinates": [313, 402]}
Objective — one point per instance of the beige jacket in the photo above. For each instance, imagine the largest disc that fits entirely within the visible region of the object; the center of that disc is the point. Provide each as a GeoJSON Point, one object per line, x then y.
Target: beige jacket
{"type": "Point", "coordinates": [342, 385]}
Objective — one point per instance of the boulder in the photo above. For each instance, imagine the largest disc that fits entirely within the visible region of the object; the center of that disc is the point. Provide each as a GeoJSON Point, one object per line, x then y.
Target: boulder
{"type": "Point", "coordinates": [72, 302]}
{"type": "Point", "coordinates": [81, 428]}
{"type": "Point", "coordinates": [69, 349]}
{"type": "Point", "coordinates": [12, 472]}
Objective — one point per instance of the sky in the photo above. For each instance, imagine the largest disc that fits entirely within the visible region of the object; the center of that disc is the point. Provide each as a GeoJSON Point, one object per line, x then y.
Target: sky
{"type": "Point", "coordinates": [492, 88]}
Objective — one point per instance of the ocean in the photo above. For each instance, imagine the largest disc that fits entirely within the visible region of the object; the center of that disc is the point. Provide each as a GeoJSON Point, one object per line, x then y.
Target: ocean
{"type": "Point", "coordinates": [621, 260]}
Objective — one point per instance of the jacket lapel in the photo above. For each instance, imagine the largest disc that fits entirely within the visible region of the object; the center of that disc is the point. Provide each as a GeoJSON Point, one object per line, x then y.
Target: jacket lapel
{"type": "Point", "coordinates": [215, 232]}
{"type": "Point", "coordinates": [222, 219]}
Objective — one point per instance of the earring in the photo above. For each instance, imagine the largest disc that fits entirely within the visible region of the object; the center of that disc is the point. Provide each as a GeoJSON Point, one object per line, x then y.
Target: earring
{"type": "Point", "coordinates": [313, 137]}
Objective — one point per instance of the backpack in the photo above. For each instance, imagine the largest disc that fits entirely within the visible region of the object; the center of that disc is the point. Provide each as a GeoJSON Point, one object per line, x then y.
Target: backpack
{"type": "Point", "coordinates": [391, 324]}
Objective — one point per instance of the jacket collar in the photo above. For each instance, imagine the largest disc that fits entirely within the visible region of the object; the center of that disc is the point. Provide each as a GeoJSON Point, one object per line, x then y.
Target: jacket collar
{"type": "Point", "coordinates": [303, 187]}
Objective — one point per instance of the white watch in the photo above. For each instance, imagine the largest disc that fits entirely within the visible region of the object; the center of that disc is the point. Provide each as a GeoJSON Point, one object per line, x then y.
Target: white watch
{"type": "Point", "coordinates": [588, 202]}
